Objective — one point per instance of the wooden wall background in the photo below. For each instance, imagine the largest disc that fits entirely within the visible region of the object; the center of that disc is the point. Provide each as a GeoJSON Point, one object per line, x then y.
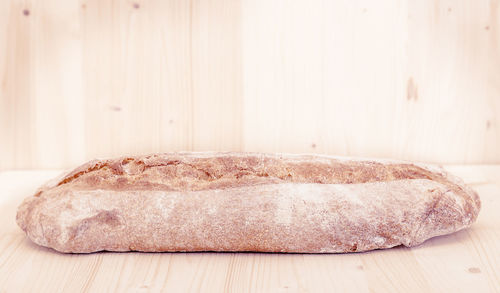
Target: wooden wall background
{"type": "Point", "coordinates": [417, 80]}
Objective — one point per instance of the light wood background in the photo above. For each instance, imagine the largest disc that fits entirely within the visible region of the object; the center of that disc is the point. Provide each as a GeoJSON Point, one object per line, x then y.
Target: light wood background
{"type": "Point", "coordinates": [417, 80]}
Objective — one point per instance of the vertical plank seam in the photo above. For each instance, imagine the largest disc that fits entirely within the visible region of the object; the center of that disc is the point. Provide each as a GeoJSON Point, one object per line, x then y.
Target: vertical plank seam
{"type": "Point", "coordinates": [191, 80]}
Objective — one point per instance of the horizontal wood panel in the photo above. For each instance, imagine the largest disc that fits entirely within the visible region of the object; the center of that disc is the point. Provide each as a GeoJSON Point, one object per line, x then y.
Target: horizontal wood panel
{"type": "Point", "coordinates": [416, 80]}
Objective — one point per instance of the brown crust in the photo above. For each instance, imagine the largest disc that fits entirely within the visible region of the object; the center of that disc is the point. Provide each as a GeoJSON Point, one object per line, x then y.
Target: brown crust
{"type": "Point", "coordinates": [242, 201]}
{"type": "Point", "coordinates": [181, 173]}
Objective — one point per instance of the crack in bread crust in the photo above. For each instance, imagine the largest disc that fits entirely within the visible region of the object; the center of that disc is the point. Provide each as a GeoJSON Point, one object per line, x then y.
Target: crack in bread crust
{"type": "Point", "coordinates": [196, 172]}
{"type": "Point", "coordinates": [193, 174]}
{"type": "Point", "coordinates": [174, 172]}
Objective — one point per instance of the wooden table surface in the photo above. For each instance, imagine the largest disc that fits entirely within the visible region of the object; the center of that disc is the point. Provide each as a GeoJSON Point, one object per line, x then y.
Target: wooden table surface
{"type": "Point", "coordinates": [467, 261]}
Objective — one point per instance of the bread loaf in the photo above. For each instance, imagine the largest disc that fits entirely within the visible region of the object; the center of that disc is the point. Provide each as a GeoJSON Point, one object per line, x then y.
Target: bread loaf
{"type": "Point", "coordinates": [246, 202]}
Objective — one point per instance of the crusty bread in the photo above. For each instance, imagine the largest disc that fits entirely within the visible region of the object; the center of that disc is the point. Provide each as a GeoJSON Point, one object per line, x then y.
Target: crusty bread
{"type": "Point", "coordinates": [246, 202]}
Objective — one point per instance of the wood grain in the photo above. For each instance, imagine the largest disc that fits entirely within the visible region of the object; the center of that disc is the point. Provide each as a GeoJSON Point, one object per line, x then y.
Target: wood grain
{"type": "Point", "coordinates": [416, 80]}
{"type": "Point", "coordinates": [466, 261]}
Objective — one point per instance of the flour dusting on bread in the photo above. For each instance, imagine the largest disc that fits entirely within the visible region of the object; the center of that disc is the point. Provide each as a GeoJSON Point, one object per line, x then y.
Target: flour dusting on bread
{"type": "Point", "coordinates": [246, 202]}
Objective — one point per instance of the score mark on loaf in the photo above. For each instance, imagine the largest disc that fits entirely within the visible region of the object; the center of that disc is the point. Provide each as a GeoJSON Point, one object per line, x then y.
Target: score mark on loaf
{"type": "Point", "coordinates": [246, 202]}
